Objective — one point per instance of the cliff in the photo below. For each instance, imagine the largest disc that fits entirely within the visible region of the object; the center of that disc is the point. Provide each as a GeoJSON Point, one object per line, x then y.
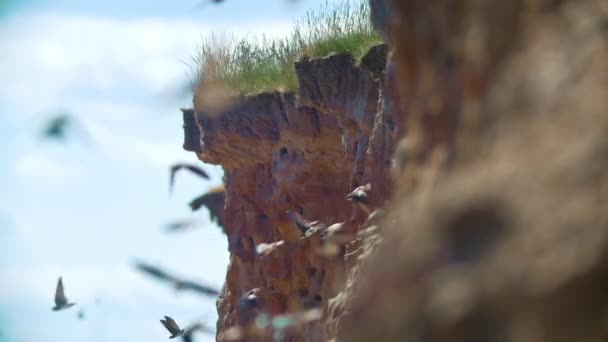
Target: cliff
{"type": "Point", "coordinates": [483, 141]}
{"type": "Point", "coordinates": [288, 155]}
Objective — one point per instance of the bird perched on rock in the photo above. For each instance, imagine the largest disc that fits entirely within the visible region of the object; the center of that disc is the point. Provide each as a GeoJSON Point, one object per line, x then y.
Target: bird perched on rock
{"type": "Point", "coordinates": [170, 324]}
{"type": "Point", "coordinates": [189, 332]}
{"type": "Point", "coordinates": [360, 197]}
{"type": "Point", "coordinates": [61, 301]}
{"type": "Point", "coordinates": [192, 168]}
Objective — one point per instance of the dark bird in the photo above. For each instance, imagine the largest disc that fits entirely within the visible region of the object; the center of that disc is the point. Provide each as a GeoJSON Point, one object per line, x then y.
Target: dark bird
{"type": "Point", "coordinates": [214, 200]}
{"type": "Point", "coordinates": [178, 166]}
{"type": "Point", "coordinates": [299, 221]}
{"type": "Point", "coordinates": [196, 287]}
{"type": "Point", "coordinates": [204, 3]}
{"type": "Point", "coordinates": [57, 126]}
{"type": "Point", "coordinates": [154, 271]}
{"type": "Point", "coordinates": [179, 283]}
{"type": "Point", "coordinates": [180, 225]}
{"type": "Point", "coordinates": [172, 327]}
{"type": "Point", "coordinates": [189, 332]}
{"type": "Point", "coordinates": [61, 301]}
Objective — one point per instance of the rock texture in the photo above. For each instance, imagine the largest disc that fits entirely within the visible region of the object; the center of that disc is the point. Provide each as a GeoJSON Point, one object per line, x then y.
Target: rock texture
{"type": "Point", "coordinates": [288, 155]}
{"type": "Point", "coordinates": [498, 230]}
{"type": "Point", "coordinates": [484, 142]}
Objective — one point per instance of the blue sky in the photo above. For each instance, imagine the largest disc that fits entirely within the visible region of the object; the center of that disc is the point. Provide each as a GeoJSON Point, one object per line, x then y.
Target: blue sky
{"type": "Point", "coordinates": [85, 211]}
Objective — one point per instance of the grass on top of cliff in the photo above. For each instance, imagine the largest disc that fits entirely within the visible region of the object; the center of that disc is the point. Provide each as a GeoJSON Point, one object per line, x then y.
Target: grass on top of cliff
{"type": "Point", "coordinates": [252, 65]}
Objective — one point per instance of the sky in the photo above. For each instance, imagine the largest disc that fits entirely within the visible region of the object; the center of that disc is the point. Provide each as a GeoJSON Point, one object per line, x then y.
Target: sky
{"type": "Point", "coordinates": [83, 209]}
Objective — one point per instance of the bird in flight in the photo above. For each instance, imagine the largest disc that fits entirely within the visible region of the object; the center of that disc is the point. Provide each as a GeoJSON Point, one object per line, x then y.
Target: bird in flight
{"type": "Point", "coordinates": [189, 332]}
{"type": "Point", "coordinates": [178, 166]}
{"type": "Point", "coordinates": [61, 301]}
{"type": "Point", "coordinates": [172, 327]}
{"type": "Point", "coordinates": [180, 225]}
{"type": "Point", "coordinates": [179, 283]}
{"type": "Point", "coordinates": [359, 197]}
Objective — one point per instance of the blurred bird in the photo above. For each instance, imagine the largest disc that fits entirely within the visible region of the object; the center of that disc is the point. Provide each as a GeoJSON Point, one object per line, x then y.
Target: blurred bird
{"type": "Point", "coordinates": [180, 284]}
{"type": "Point", "coordinates": [172, 327]}
{"type": "Point", "coordinates": [204, 3]}
{"type": "Point", "coordinates": [193, 286]}
{"type": "Point", "coordinates": [178, 166]}
{"type": "Point", "coordinates": [180, 225]}
{"type": "Point", "coordinates": [80, 314]}
{"type": "Point", "coordinates": [214, 200]}
{"type": "Point", "coordinates": [189, 332]}
{"type": "Point", "coordinates": [61, 301]}
{"type": "Point", "coordinates": [360, 197]}
{"type": "Point", "coordinates": [58, 126]}
{"type": "Point", "coordinates": [153, 271]}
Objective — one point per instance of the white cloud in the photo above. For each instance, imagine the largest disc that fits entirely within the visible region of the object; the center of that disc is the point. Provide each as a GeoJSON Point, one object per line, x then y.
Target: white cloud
{"type": "Point", "coordinates": [52, 59]}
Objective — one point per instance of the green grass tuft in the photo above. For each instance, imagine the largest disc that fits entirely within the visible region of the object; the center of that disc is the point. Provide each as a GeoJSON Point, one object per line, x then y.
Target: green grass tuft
{"type": "Point", "coordinates": [252, 65]}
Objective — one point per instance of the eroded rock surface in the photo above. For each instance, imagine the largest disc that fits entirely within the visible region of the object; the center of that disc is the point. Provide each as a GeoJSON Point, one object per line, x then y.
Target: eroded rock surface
{"type": "Point", "coordinates": [289, 155]}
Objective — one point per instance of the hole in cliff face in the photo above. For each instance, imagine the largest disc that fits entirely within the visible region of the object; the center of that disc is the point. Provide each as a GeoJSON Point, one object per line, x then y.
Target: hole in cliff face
{"type": "Point", "coordinates": [283, 152]}
{"type": "Point", "coordinates": [476, 229]}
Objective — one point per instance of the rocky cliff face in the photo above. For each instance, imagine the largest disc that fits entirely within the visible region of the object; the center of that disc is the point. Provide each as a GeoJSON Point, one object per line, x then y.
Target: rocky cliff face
{"type": "Point", "coordinates": [289, 160]}
{"type": "Point", "coordinates": [483, 140]}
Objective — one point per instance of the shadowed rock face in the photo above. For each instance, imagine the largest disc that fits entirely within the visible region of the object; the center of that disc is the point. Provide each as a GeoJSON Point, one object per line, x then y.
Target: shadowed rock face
{"type": "Point", "coordinates": [301, 153]}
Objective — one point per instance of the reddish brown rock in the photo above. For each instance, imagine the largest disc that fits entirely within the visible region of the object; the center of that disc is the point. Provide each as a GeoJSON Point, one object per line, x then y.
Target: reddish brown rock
{"type": "Point", "coordinates": [300, 153]}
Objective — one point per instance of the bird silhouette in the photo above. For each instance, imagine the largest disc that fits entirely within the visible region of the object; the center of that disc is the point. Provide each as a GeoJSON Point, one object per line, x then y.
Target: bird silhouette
{"type": "Point", "coordinates": [180, 225]}
{"type": "Point", "coordinates": [154, 271]}
{"type": "Point", "coordinates": [80, 314]}
{"type": "Point", "coordinates": [189, 332]}
{"type": "Point", "coordinates": [214, 200]}
{"type": "Point", "coordinates": [196, 287]}
{"type": "Point", "coordinates": [58, 126]}
{"type": "Point", "coordinates": [179, 283]}
{"type": "Point", "coordinates": [61, 301]}
{"type": "Point", "coordinates": [192, 168]}
{"type": "Point", "coordinates": [359, 197]}
{"type": "Point", "coordinates": [172, 327]}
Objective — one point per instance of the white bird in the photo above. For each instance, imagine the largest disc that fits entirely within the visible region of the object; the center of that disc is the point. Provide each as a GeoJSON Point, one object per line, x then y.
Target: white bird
{"type": "Point", "coordinates": [61, 301]}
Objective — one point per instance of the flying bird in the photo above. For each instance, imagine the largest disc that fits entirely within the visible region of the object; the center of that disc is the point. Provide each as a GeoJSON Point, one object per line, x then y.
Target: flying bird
{"type": "Point", "coordinates": [180, 225]}
{"type": "Point", "coordinates": [61, 301]}
{"type": "Point", "coordinates": [80, 314]}
{"type": "Point", "coordinates": [153, 271]}
{"type": "Point", "coordinates": [178, 166]}
{"type": "Point", "coordinates": [57, 127]}
{"type": "Point", "coordinates": [196, 287]}
{"type": "Point", "coordinates": [189, 332]}
{"type": "Point", "coordinates": [172, 327]}
{"type": "Point", "coordinates": [179, 283]}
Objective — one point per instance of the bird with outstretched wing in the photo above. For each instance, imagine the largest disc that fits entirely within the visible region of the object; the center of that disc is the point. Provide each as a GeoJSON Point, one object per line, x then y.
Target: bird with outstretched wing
{"type": "Point", "coordinates": [154, 271]}
{"type": "Point", "coordinates": [61, 301]}
{"type": "Point", "coordinates": [172, 327]}
{"type": "Point", "coordinates": [192, 168]}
